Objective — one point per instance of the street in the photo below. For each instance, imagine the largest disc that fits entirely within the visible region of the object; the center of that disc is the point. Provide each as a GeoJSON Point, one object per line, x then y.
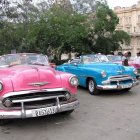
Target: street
{"type": "Point", "coordinates": [109, 116]}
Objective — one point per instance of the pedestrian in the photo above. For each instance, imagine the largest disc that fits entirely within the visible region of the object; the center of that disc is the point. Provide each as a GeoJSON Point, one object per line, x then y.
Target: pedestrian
{"type": "Point", "coordinates": [125, 58]}
{"type": "Point", "coordinates": [137, 59]}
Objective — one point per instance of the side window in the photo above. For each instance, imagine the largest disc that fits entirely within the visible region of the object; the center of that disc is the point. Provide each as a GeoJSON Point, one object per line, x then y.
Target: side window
{"type": "Point", "coordinates": [2, 61]}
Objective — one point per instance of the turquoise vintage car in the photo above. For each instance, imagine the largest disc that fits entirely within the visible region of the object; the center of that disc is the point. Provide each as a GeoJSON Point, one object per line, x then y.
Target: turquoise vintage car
{"type": "Point", "coordinates": [96, 73]}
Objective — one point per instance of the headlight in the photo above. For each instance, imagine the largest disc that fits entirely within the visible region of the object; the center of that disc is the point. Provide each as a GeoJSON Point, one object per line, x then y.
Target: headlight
{"type": "Point", "coordinates": [135, 71]}
{"type": "Point", "coordinates": [1, 86]}
{"type": "Point", "coordinates": [74, 81]}
{"type": "Point", "coordinates": [103, 73]}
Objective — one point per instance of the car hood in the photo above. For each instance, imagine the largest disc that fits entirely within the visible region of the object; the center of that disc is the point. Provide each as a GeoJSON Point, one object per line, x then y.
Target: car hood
{"type": "Point", "coordinates": [108, 67]}
{"type": "Point", "coordinates": [31, 77]}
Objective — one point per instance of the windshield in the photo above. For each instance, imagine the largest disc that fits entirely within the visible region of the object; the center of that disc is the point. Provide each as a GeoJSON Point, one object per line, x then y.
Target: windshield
{"type": "Point", "coordinates": [94, 58]}
{"type": "Point", "coordinates": [114, 57]}
{"type": "Point", "coordinates": [89, 59]}
{"type": "Point", "coordinates": [102, 58]}
{"type": "Point", "coordinates": [23, 59]}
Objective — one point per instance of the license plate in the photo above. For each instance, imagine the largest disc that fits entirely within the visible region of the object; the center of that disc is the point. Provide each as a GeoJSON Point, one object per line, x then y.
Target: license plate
{"type": "Point", "coordinates": [127, 85]}
{"type": "Point", "coordinates": [44, 111]}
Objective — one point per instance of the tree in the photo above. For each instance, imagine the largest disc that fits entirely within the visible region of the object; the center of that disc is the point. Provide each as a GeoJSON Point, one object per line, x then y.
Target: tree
{"type": "Point", "coordinates": [103, 36]}
{"type": "Point", "coordinates": [86, 6]}
{"type": "Point", "coordinates": [62, 31]}
{"type": "Point", "coordinates": [51, 28]}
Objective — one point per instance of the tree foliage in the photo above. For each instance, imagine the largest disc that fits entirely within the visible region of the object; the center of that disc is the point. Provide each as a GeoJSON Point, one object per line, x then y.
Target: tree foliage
{"type": "Point", "coordinates": [86, 6]}
{"type": "Point", "coordinates": [51, 28]}
{"type": "Point", "coordinates": [103, 37]}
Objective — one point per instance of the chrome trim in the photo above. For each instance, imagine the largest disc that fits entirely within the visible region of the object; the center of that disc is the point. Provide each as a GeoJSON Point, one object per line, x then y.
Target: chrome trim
{"type": "Point", "coordinates": [32, 91]}
{"type": "Point", "coordinates": [71, 78]}
{"type": "Point", "coordinates": [116, 87]}
{"type": "Point", "coordinates": [120, 79]}
{"type": "Point", "coordinates": [36, 99]}
{"type": "Point", "coordinates": [38, 84]}
{"type": "Point", "coordinates": [13, 114]}
{"type": "Point", "coordinates": [117, 78]}
{"type": "Point", "coordinates": [120, 76]}
{"type": "Point", "coordinates": [1, 85]}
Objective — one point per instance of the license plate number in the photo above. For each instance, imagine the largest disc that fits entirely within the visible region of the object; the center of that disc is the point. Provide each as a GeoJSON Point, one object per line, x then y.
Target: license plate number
{"type": "Point", "coordinates": [126, 85]}
{"type": "Point", "coordinates": [44, 111]}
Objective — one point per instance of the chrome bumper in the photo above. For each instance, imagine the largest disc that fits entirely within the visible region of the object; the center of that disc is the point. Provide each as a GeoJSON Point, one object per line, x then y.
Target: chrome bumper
{"type": "Point", "coordinates": [118, 86]}
{"type": "Point", "coordinates": [13, 114]}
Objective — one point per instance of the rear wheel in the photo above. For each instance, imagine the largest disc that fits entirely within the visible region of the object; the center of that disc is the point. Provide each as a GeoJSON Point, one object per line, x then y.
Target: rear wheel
{"type": "Point", "coordinates": [92, 87]}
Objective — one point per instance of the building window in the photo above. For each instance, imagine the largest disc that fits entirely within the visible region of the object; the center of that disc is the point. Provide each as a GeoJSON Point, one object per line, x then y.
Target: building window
{"type": "Point", "coordinates": [138, 29]}
{"type": "Point", "coordinates": [128, 29]}
{"type": "Point", "coordinates": [138, 18]}
{"type": "Point", "coordinates": [138, 41]}
{"type": "Point", "coordinates": [126, 19]}
{"type": "Point", "coordinates": [129, 19]}
{"type": "Point", "coordinates": [120, 20]}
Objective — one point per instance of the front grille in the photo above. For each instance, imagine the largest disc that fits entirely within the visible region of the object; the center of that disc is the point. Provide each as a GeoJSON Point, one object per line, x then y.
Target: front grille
{"type": "Point", "coordinates": [38, 99]}
{"type": "Point", "coordinates": [36, 94]}
{"type": "Point", "coordinates": [120, 79]}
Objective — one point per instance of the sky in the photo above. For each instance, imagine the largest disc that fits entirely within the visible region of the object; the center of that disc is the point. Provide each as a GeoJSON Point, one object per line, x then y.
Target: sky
{"type": "Point", "coordinates": [122, 3]}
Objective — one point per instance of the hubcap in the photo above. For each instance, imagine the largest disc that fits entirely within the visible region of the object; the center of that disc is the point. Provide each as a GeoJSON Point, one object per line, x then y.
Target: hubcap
{"type": "Point", "coordinates": [91, 86]}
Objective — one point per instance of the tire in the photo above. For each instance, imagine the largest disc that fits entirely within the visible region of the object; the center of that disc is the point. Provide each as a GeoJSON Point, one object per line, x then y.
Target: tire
{"type": "Point", "coordinates": [92, 87]}
{"type": "Point", "coordinates": [67, 112]}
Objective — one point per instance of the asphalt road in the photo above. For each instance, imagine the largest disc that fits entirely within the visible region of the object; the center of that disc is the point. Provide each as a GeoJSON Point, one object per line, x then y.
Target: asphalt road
{"type": "Point", "coordinates": [108, 116]}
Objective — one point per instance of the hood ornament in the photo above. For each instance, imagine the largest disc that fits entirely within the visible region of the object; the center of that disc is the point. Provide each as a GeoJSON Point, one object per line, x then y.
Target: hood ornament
{"type": "Point", "coordinates": [120, 71]}
{"type": "Point", "coordinates": [37, 84]}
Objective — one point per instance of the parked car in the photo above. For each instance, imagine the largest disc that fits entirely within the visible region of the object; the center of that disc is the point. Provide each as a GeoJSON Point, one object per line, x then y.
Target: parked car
{"type": "Point", "coordinates": [29, 87]}
{"type": "Point", "coordinates": [96, 73]}
{"type": "Point", "coordinates": [135, 62]}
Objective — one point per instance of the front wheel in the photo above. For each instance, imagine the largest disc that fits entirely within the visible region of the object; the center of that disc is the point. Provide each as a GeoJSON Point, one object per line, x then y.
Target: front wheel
{"type": "Point", "coordinates": [92, 87]}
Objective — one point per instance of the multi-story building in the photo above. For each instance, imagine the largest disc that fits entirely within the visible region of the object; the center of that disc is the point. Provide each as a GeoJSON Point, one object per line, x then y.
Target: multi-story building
{"type": "Point", "coordinates": [129, 21]}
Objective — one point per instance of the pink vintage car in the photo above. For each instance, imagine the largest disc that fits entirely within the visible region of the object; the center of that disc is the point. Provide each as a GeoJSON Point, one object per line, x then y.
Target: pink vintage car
{"type": "Point", "coordinates": [29, 87]}
{"type": "Point", "coordinates": [135, 62]}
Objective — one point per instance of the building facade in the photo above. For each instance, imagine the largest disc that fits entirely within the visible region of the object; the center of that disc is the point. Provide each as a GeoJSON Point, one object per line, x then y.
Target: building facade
{"type": "Point", "coordinates": [129, 21]}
